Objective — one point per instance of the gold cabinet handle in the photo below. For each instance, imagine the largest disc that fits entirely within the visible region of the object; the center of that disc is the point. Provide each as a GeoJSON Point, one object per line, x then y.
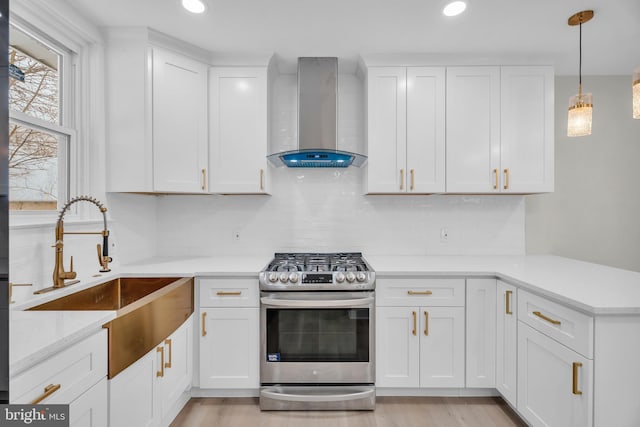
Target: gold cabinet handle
{"type": "Point", "coordinates": [495, 182]}
{"type": "Point", "coordinates": [507, 308]}
{"type": "Point", "coordinates": [261, 180]}
{"type": "Point", "coordinates": [167, 342]}
{"type": "Point", "coordinates": [415, 317]}
{"type": "Point", "coordinates": [426, 323]}
{"type": "Point", "coordinates": [419, 293]}
{"type": "Point", "coordinates": [204, 331]}
{"type": "Point", "coordinates": [48, 391]}
{"type": "Point", "coordinates": [506, 179]}
{"type": "Point", "coordinates": [412, 179]}
{"type": "Point", "coordinates": [575, 390]}
{"type": "Point", "coordinates": [204, 179]}
{"type": "Point", "coordinates": [548, 319]}
{"type": "Point", "coordinates": [226, 293]}
{"type": "Point", "coordinates": [160, 350]}
{"type": "Point", "coordinates": [401, 179]}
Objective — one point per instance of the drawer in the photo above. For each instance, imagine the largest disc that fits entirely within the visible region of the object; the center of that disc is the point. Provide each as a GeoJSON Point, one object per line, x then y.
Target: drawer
{"type": "Point", "coordinates": [74, 370]}
{"type": "Point", "coordinates": [229, 292]}
{"type": "Point", "coordinates": [426, 291]}
{"type": "Point", "coordinates": [565, 325]}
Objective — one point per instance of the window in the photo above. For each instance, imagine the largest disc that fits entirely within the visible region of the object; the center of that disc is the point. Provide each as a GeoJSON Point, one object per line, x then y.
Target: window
{"type": "Point", "coordinates": [39, 137]}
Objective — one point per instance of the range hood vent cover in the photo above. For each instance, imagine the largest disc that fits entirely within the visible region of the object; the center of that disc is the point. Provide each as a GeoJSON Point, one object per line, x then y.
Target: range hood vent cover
{"type": "Point", "coordinates": [317, 119]}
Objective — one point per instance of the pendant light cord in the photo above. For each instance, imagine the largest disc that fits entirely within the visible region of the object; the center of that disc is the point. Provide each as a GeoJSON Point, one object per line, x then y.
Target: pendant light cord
{"type": "Point", "coordinates": [580, 60]}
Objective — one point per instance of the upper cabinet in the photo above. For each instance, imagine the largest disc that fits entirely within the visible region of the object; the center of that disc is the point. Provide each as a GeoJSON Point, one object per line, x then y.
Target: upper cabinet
{"type": "Point", "coordinates": [406, 130]}
{"type": "Point", "coordinates": [156, 117]}
{"type": "Point", "coordinates": [238, 130]}
{"type": "Point", "coordinates": [500, 129]}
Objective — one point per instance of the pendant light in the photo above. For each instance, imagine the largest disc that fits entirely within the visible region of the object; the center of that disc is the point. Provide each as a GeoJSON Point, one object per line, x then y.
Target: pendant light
{"type": "Point", "coordinates": [636, 93]}
{"type": "Point", "coordinates": [580, 105]}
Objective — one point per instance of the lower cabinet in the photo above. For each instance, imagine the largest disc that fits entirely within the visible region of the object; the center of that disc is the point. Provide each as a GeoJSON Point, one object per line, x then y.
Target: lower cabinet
{"type": "Point", "coordinates": [555, 384]}
{"type": "Point", "coordinates": [420, 347]}
{"type": "Point", "coordinates": [506, 341]}
{"type": "Point", "coordinates": [90, 409]}
{"type": "Point", "coordinates": [147, 392]}
{"type": "Point", "coordinates": [481, 333]}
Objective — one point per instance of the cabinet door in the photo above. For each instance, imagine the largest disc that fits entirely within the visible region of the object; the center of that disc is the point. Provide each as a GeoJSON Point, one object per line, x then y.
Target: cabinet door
{"type": "Point", "coordinates": [238, 137]}
{"type": "Point", "coordinates": [229, 348]}
{"type": "Point", "coordinates": [506, 341]}
{"type": "Point", "coordinates": [179, 123]}
{"type": "Point", "coordinates": [425, 129]}
{"type": "Point", "coordinates": [386, 130]}
{"type": "Point", "coordinates": [481, 333]}
{"type": "Point", "coordinates": [397, 347]}
{"type": "Point", "coordinates": [178, 352]}
{"type": "Point", "coordinates": [473, 129]}
{"type": "Point", "coordinates": [552, 389]}
{"type": "Point", "coordinates": [133, 394]}
{"type": "Point", "coordinates": [526, 136]}
{"type": "Point", "coordinates": [91, 408]}
{"type": "Point", "coordinates": [441, 346]}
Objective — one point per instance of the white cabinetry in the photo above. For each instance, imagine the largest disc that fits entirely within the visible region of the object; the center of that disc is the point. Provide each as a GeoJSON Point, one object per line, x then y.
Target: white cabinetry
{"type": "Point", "coordinates": [238, 129]}
{"type": "Point", "coordinates": [420, 345]}
{"type": "Point", "coordinates": [229, 333]}
{"type": "Point", "coordinates": [555, 366]}
{"type": "Point", "coordinates": [153, 390]}
{"type": "Point", "coordinates": [506, 341]}
{"type": "Point", "coordinates": [74, 376]}
{"type": "Point", "coordinates": [156, 116]}
{"type": "Point", "coordinates": [481, 333]}
{"type": "Point", "coordinates": [406, 123]}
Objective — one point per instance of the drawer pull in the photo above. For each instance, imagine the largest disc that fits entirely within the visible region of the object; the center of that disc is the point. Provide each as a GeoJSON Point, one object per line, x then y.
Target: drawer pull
{"type": "Point", "coordinates": [495, 183]}
{"type": "Point", "coordinates": [507, 309]}
{"type": "Point", "coordinates": [401, 179]}
{"type": "Point", "coordinates": [426, 323]}
{"type": "Point", "coordinates": [204, 331]}
{"type": "Point", "coordinates": [228, 294]}
{"type": "Point", "coordinates": [160, 373]}
{"type": "Point", "coordinates": [419, 293]}
{"type": "Point", "coordinates": [413, 179]}
{"type": "Point", "coordinates": [506, 179]}
{"type": "Point", "coordinates": [204, 179]}
{"type": "Point", "coordinates": [548, 319]}
{"type": "Point", "coordinates": [48, 391]}
{"type": "Point", "coordinates": [167, 342]}
{"type": "Point", "coordinates": [575, 390]}
{"type": "Point", "coordinates": [261, 180]}
{"type": "Point", "coordinates": [414, 323]}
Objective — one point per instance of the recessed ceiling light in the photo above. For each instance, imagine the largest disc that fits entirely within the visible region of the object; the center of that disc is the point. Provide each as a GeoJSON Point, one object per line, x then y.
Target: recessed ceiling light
{"type": "Point", "coordinates": [453, 8]}
{"type": "Point", "coordinates": [194, 6]}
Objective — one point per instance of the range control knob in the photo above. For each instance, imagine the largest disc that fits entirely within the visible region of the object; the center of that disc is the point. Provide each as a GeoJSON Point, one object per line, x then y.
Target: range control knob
{"type": "Point", "coordinates": [351, 277]}
{"type": "Point", "coordinates": [284, 277]}
{"type": "Point", "coordinates": [293, 278]}
{"type": "Point", "coordinates": [361, 277]}
{"type": "Point", "coordinates": [339, 277]}
{"type": "Point", "coordinates": [273, 277]}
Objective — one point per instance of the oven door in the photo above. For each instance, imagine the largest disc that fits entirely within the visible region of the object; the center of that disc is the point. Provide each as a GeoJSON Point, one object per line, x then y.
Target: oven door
{"type": "Point", "coordinates": [317, 338]}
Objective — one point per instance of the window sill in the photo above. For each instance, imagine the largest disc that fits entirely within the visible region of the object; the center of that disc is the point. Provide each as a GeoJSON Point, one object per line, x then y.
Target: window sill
{"type": "Point", "coordinates": [24, 222]}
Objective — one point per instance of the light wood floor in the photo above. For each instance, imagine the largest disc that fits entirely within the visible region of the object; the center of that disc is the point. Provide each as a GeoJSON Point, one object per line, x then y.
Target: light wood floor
{"type": "Point", "coordinates": [390, 412]}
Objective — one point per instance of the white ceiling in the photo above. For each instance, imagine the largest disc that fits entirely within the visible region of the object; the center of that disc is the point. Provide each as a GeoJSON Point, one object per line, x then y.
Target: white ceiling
{"type": "Point", "coordinates": [348, 28]}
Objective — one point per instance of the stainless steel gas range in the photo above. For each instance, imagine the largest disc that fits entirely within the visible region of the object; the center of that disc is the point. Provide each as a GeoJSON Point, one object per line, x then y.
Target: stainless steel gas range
{"type": "Point", "coordinates": [317, 332]}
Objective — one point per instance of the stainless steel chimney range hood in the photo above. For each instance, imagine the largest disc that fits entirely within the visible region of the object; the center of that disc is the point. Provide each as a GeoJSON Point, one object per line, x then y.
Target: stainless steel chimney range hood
{"type": "Point", "coordinates": [317, 119]}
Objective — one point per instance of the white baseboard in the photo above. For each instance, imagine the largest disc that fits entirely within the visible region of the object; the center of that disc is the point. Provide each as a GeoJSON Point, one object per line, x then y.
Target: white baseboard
{"type": "Point", "coordinates": [199, 392]}
{"type": "Point", "coordinates": [175, 409]}
{"type": "Point", "coordinates": [437, 392]}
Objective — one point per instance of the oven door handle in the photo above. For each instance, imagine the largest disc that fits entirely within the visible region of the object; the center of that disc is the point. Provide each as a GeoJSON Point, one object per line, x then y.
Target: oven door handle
{"type": "Point", "coordinates": [317, 397]}
{"type": "Point", "coordinates": [355, 302]}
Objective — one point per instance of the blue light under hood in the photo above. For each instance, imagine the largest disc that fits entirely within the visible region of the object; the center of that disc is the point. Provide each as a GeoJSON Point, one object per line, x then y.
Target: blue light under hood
{"type": "Point", "coordinates": [317, 159]}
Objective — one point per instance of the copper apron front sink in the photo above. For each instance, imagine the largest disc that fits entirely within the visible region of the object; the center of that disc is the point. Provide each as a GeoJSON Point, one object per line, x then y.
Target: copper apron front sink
{"type": "Point", "coordinates": [147, 311]}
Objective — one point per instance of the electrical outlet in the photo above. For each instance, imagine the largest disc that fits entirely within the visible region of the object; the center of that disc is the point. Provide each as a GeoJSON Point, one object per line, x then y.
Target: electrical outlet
{"type": "Point", "coordinates": [236, 235]}
{"type": "Point", "coordinates": [444, 235]}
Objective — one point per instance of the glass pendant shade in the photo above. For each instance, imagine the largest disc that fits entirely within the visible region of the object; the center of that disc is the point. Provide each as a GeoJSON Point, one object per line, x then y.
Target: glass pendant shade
{"type": "Point", "coordinates": [636, 94]}
{"type": "Point", "coordinates": [580, 114]}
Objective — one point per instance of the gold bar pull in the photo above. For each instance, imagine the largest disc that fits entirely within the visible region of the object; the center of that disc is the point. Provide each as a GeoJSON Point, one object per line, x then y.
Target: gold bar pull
{"type": "Point", "coordinates": [412, 179]}
{"type": "Point", "coordinates": [426, 323]}
{"type": "Point", "coordinates": [160, 350]}
{"type": "Point", "coordinates": [261, 180]}
{"type": "Point", "coordinates": [507, 309]}
{"type": "Point", "coordinates": [204, 331]}
{"type": "Point", "coordinates": [401, 179]}
{"type": "Point", "coordinates": [167, 342]}
{"type": "Point", "coordinates": [414, 323]}
{"type": "Point", "coordinates": [226, 293]}
{"type": "Point", "coordinates": [495, 183]}
{"type": "Point", "coordinates": [204, 179]}
{"type": "Point", "coordinates": [506, 179]}
{"type": "Point", "coordinates": [48, 391]}
{"type": "Point", "coordinates": [419, 293]}
{"type": "Point", "coordinates": [575, 390]}
{"type": "Point", "coordinates": [548, 319]}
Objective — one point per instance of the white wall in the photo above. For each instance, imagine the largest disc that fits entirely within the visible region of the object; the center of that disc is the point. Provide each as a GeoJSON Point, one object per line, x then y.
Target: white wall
{"type": "Point", "coordinates": [593, 215]}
